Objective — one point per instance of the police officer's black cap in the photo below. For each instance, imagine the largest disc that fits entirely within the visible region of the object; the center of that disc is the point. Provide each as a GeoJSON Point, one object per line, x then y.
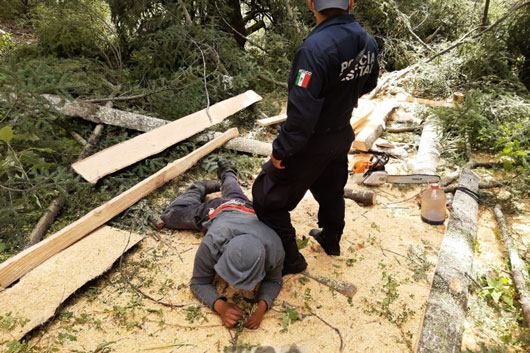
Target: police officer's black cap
{"type": "Point", "coordinates": [331, 4]}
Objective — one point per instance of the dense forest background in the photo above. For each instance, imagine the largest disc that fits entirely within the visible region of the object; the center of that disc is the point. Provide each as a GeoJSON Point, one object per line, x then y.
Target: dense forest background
{"type": "Point", "coordinates": [169, 58]}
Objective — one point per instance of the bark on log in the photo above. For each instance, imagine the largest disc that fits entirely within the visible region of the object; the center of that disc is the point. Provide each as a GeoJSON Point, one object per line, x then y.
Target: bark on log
{"type": "Point", "coordinates": [447, 304]}
{"type": "Point", "coordinates": [363, 197]}
{"type": "Point", "coordinates": [519, 271]}
{"type": "Point", "coordinates": [99, 114]}
{"type": "Point", "coordinates": [429, 149]}
{"type": "Point", "coordinates": [239, 144]}
{"type": "Point", "coordinates": [144, 123]}
{"type": "Point", "coordinates": [45, 221]}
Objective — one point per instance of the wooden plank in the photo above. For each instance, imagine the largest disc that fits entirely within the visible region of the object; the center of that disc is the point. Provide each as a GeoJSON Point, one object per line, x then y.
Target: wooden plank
{"type": "Point", "coordinates": [155, 141]}
{"type": "Point", "coordinates": [428, 102]}
{"type": "Point", "coordinates": [39, 293]}
{"type": "Point", "coordinates": [272, 120]}
{"type": "Point", "coordinates": [18, 265]}
{"type": "Point", "coordinates": [447, 304]}
{"type": "Point", "coordinates": [362, 112]}
{"type": "Point", "coordinates": [375, 125]}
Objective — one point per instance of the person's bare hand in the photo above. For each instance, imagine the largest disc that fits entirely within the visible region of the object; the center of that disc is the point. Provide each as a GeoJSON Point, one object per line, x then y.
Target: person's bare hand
{"type": "Point", "coordinates": [277, 163]}
{"type": "Point", "coordinates": [230, 313]}
{"type": "Point", "coordinates": [255, 319]}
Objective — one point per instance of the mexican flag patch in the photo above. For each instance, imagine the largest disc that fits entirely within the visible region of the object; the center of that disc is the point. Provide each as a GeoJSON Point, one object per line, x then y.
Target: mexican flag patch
{"type": "Point", "coordinates": [303, 78]}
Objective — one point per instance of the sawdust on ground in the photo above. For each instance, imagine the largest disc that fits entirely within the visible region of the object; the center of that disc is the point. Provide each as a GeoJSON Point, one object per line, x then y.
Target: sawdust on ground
{"type": "Point", "coordinates": [381, 248]}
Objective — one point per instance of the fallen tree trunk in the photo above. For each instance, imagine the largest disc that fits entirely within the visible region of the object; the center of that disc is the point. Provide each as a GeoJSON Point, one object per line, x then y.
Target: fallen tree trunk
{"type": "Point", "coordinates": [363, 197]}
{"type": "Point", "coordinates": [240, 144]}
{"type": "Point", "coordinates": [429, 149]}
{"type": "Point", "coordinates": [447, 304]}
{"type": "Point", "coordinates": [18, 265]}
{"type": "Point", "coordinates": [104, 115]}
{"type": "Point", "coordinates": [519, 271]}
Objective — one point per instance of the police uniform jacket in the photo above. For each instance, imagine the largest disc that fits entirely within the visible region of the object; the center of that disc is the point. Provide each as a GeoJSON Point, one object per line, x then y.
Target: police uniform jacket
{"type": "Point", "coordinates": [324, 85]}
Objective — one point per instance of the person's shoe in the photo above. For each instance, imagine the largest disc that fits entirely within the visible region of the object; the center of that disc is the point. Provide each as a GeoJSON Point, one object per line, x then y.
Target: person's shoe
{"type": "Point", "coordinates": [223, 167]}
{"type": "Point", "coordinates": [206, 186]}
{"type": "Point", "coordinates": [297, 266]}
{"type": "Point", "coordinates": [328, 241]}
{"type": "Point", "coordinates": [294, 261]}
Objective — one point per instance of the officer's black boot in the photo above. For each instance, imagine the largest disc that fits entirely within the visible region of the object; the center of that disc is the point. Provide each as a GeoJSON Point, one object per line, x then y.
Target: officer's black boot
{"type": "Point", "coordinates": [294, 261]}
{"type": "Point", "coordinates": [328, 240]}
{"type": "Point", "coordinates": [223, 167]}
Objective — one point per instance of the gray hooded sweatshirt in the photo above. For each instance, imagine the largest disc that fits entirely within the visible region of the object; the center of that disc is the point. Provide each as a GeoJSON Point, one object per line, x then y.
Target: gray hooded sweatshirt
{"type": "Point", "coordinates": [226, 225]}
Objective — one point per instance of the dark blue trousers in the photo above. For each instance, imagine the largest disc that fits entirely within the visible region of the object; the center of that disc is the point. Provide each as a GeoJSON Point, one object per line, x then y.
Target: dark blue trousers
{"type": "Point", "coordinates": [322, 168]}
{"type": "Point", "coordinates": [190, 211]}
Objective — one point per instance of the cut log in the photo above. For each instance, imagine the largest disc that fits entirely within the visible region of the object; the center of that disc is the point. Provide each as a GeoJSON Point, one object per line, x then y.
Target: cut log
{"type": "Point", "coordinates": [36, 297]}
{"type": "Point", "coordinates": [374, 126]}
{"type": "Point", "coordinates": [272, 120]}
{"type": "Point", "coordinates": [428, 102]}
{"type": "Point", "coordinates": [18, 265]}
{"type": "Point", "coordinates": [155, 141]}
{"type": "Point", "coordinates": [459, 97]}
{"type": "Point", "coordinates": [240, 144]}
{"type": "Point", "coordinates": [447, 304]}
{"type": "Point", "coordinates": [105, 115]}
{"type": "Point", "coordinates": [363, 197]}
{"type": "Point", "coordinates": [404, 117]}
{"type": "Point", "coordinates": [429, 149]}
{"type": "Point", "coordinates": [519, 271]}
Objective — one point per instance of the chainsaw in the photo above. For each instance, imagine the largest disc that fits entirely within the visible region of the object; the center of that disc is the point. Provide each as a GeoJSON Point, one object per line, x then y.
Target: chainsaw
{"type": "Point", "coordinates": [373, 172]}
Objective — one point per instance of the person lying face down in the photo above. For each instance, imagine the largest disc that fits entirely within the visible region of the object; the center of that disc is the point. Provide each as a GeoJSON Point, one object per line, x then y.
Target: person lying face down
{"type": "Point", "coordinates": [237, 246]}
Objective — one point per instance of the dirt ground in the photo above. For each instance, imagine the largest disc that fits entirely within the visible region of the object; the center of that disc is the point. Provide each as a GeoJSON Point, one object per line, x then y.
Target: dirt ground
{"type": "Point", "coordinates": [144, 303]}
{"type": "Point", "coordinates": [387, 252]}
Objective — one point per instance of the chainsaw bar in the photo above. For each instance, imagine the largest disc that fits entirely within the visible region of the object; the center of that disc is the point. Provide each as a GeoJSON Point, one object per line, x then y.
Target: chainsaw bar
{"type": "Point", "coordinates": [381, 177]}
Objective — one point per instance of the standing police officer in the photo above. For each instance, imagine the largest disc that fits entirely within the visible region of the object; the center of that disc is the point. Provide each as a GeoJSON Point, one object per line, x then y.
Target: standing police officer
{"type": "Point", "coordinates": [336, 64]}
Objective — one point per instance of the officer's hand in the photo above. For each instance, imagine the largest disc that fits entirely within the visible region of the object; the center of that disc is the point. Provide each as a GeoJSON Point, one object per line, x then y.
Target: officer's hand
{"type": "Point", "coordinates": [255, 319]}
{"type": "Point", "coordinates": [229, 313]}
{"type": "Point", "coordinates": [277, 163]}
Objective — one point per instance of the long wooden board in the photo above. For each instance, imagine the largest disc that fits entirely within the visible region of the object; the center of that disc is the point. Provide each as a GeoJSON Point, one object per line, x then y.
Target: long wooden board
{"type": "Point", "coordinates": [272, 120]}
{"type": "Point", "coordinates": [37, 296]}
{"type": "Point", "coordinates": [375, 125]}
{"type": "Point", "coordinates": [18, 265]}
{"type": "Point", "coordinates": [155, 141]}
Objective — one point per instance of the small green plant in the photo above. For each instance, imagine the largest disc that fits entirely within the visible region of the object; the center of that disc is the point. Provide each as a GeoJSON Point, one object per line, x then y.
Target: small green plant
{"type": "Point", "coordinates": [303, 280]}
{"type": "Point", "coordinates": [288, 316]}
{"type": "Point", "coordinates": [10, 321]}
{"type": "Point", "coordinates": [194, 313]}
{"type": "Point", "coordinates": [500, 291]}
{"type": "Point", "coordinates": [417, 263]}
{"type": "Point", "coordinates": [302, 243]}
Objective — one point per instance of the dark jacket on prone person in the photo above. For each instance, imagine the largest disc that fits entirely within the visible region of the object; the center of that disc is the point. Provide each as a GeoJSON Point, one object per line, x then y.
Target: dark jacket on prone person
{"type": "Point", "coordinates": [261, 250]}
